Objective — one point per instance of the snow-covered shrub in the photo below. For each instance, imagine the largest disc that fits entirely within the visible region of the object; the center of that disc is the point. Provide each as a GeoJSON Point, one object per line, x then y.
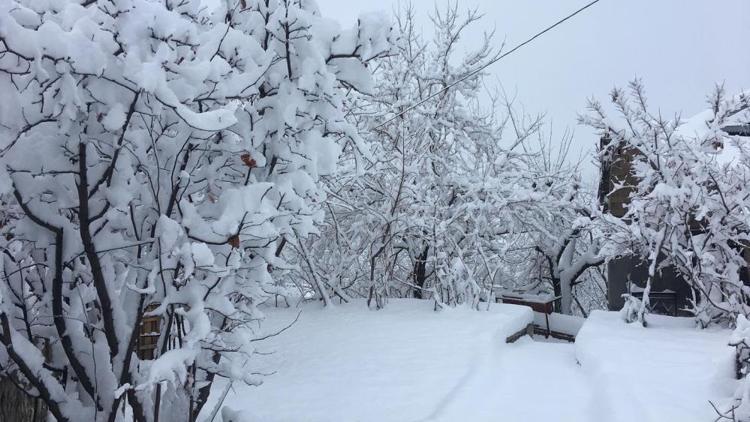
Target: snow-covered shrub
{"type": "Point", "coordinates": [158, 155]}
{"type": "Point", "coordinates": [633, 309]}
{"type": "Point", "coordinates": [689, 207]}
{"type": "Point", "coordinates": [740, 340]}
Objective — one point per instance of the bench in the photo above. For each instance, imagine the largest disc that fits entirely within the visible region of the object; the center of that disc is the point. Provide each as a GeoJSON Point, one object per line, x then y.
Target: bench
{"type": "Point", "coordinates": [542, 304]}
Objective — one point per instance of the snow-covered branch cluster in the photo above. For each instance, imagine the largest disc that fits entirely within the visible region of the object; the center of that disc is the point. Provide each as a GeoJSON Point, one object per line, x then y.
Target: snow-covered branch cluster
{"type": "Point", "coordinates": [688, 206]}
{"type": "Point", "coordinates": [155, 158]}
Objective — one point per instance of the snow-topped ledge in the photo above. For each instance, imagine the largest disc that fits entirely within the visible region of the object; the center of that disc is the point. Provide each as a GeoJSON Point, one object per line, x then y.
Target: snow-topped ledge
{"type": "Point", "coordinates": [349, 363]}
{"type": "Point", "coordinates": [666, 372]}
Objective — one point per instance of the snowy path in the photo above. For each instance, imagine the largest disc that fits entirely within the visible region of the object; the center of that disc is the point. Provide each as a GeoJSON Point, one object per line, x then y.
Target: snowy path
{"type": "Point", "coordinates": [524, 381]}
{"type": "Point", "coordinates": [666, 372]}
{"type": "Point", "coordinates": [543, 382]}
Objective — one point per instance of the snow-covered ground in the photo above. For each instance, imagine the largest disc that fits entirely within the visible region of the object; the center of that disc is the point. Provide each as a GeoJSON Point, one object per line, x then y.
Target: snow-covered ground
{"type": "Point", "coordinates": [666, 372]}
{"type": "Point", "coordinates": [524, 381]}
{"type": "Point", "coordinates": [402, 363]}
{"type": "Point", "coordinates": [409, 363]}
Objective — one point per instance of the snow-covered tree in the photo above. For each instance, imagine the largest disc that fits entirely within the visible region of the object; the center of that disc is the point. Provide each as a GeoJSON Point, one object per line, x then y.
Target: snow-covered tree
{"type": "Point", "coordinates": [689, 206]}
{"type": "Point", "coordinates": [155, 157]}
{"type": "Point", "coordinates": [437, 207]}
{"type": "Point", "coordinates": [571, 240]}
{"type": "Point", "coordinates": [390, 211]}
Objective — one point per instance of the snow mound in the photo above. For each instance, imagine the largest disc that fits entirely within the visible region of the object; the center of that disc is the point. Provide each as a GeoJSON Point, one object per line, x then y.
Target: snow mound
{"type": "Point", "coordinates": [666, 372]}
{"type": "Point", "coordinates": [349, 363]}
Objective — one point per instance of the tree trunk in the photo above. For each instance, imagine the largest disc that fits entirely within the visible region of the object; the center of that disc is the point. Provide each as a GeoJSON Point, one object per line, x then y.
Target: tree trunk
{"type": "Point", "coordinates": [17, 406]}
{"type": "Point", "coordinates": [557, 288]}
{"type": "Point", "coordinates": [420, 272]}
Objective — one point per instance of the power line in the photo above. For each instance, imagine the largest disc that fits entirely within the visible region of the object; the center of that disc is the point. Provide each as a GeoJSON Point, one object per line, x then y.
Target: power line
{"type": "Point", "coordinates": [488, 64]}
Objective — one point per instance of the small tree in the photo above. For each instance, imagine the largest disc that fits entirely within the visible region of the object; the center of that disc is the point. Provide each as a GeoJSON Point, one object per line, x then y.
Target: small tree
{"type": "Point", "coordinates": [689, 207]}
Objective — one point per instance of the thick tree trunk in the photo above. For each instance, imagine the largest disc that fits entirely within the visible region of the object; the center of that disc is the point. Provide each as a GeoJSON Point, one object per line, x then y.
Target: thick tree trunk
{"type": "Point", "coordinates": [420, 272]}
{"type": "Point", "coordinates": [18, 407]}
{"type": "Point", "coordinates": [557, 288]}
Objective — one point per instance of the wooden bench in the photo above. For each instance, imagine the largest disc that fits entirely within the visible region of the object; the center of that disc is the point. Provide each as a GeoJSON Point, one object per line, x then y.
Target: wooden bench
{"type": "Point", "coordinates": [542, 304]}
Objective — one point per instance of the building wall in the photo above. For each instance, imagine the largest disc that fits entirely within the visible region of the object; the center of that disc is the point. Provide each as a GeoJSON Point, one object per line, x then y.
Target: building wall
{"type": "Point", "coordinates": [617, 180]}
{"type": "Point", "coordinates": [634, 270]}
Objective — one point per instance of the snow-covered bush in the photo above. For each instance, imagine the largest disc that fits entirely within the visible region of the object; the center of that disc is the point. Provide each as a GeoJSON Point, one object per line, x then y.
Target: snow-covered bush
{"type": "Point", "coordinates": [689, 207]}
{"type": "Point", "coordinates": [740, 340]}
{"type": "Point", "coordinates": [155, 156]}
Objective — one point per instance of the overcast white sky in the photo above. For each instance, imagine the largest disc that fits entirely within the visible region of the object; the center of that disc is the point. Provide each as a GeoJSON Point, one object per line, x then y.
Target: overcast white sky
{"type": "Point", "coordinates": [680, 48]}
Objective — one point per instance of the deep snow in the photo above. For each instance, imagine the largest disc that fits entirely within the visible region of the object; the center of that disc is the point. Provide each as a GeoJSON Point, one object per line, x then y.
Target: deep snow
{"type": "Point", "coordinates": [666, 372]}
{"type": "Point", "coordinates": [525, 381]}
{"type": "Point", "coordinates": [402, 363]}
{"type": "Point", "coordinates": [409, 363]}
